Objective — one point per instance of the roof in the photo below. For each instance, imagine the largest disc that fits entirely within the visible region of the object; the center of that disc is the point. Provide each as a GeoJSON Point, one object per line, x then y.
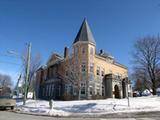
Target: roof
{"type": "Point", "coordinates": [84, 33]}
{"type": "Point", "coordinates": [105, 54]}
{"type": "Point", "coordinates": [54, 57]}
{"type": "Point", "coordinates": [119, 64]}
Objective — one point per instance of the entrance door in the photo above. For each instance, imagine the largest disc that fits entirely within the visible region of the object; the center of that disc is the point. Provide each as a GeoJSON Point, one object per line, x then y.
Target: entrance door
{"type": "Point", "coordinates": [116, 91]}
{"type": "Point", "coordinates": [124, 88]}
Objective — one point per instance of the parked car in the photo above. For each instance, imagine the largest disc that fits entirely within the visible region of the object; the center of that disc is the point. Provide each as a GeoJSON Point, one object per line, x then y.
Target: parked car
{"type": "Point", "coordinates": [146, 92]}
{"type": "Point", "coordinates": [7, 102]}
{"type": "Point", "coordinates": [136, 94]}
{"type": "Point", "coordinates": [158, 91]}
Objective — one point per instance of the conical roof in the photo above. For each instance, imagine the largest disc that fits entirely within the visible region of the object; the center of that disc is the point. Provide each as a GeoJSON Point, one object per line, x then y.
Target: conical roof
{"type": "Point", "coordinates": [84, 33]}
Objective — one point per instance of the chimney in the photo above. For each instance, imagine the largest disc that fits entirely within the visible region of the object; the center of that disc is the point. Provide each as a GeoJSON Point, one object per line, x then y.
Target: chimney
{"type": "Point", "coordinates": [66, 52]}
{"type": "Point", "coordinates": [101, 51]}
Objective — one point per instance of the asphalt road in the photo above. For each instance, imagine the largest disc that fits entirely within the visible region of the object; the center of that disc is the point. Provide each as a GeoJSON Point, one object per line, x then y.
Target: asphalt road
{"type": "Point", "coordinates": [6, 115]}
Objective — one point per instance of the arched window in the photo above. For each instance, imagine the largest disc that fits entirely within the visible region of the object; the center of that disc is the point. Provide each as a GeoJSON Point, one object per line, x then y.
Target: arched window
{"type": "Point", "coordinates": [83, 50]}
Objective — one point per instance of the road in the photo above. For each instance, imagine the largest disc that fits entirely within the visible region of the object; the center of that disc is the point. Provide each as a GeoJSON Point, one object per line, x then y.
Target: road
{"type": "Point", "coordinates": [6, 115]}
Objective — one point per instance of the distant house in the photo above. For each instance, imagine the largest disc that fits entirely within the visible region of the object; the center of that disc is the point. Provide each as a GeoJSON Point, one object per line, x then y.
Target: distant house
{"type": "Point", "coordinates": [30, 95]}
{"type": "Point", "coordinates": [5, 91]}
{"type": "Point", "coordinates": [99, 73]}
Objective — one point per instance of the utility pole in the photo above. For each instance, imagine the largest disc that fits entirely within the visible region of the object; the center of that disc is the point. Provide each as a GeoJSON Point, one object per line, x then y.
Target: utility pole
{"type": "Point", "coordinates": [27, 73]}
{"type": "Point", "coordinates": [17, 85]}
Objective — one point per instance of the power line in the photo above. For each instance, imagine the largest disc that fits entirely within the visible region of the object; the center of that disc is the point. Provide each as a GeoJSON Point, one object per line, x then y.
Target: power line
{"type": "Point", "coordinates": [5, 62]}
{"type": "Point", "coordinates": [6, 55]}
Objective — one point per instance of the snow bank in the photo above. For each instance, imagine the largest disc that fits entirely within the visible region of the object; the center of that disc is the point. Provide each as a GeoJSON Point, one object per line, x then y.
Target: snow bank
{"type": "Point", "coordinates": [66, 108]}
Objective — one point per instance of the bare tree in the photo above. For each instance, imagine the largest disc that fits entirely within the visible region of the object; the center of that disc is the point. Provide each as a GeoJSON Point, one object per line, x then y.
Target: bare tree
{"type": "Point", "coordinates": [74, 76]}
{"type": "Point", "coordinates": [5, 83]}
{"type": "Point", "coordinates": [146, 57]}
{"type": "Point", "coordinates": [141, 79]}
{"type": "Point", "coordinates": [35, 63]}
{"type": "Point", "coordinates": [5, 80]}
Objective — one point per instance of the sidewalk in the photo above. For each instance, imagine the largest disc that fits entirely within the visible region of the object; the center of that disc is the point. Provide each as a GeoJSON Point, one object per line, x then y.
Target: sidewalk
{"type": "Point", "coordinates": [107, 115]}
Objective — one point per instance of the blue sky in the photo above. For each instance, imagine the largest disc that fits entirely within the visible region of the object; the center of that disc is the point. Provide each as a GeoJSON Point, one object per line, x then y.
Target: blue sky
{"type": "Point", "coordinates": [50, 25]}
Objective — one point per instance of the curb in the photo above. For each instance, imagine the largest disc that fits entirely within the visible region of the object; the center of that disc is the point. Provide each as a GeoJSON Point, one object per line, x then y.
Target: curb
{"type": "Point", "coordinates": [103, 115]}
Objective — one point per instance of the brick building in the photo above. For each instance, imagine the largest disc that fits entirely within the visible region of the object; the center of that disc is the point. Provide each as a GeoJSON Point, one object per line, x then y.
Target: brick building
{"type": "Point", "coordinates": [82, 72]}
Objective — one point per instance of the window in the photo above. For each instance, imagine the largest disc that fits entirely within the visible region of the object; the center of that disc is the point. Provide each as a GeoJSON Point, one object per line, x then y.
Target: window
{"type": "Point", "coordinates": [83, 67]}
{"type": "Point", "coordinates": [52, 90]}
{"type": "Point", "coordinates": [59, 90]}
{"type": "Point", "coordinates": [91, 51]}
{"type": "Point", "coordinates": [46, 90]}
{"type": "Point", "coordinates": [66, 88]}
{"type": "Point", "coordinates": [45, 74]}
{"type": "Point", "coordinates": [98, 91]}
{"type": "Point", "coordinates": [83, 51]}
{"type": "Point", "coordinates": [98, 70]}
{"type": "Point", "coordinates": [41, 76]}
{"type": "Point", "coordinates": [83, 88]}
{"type": "Point", "coordinates": [83, 85]}
{"type": "Point", "coordinates": [102, 72]}
{"type": "Point", "coordinates": [75, 50]}
{"type": "Point", "coordinates": [103, 90]}
{"type": "Point", "coordinates": [91, 67]}
{"type": "Point", "coordinates": [48, 73]}
{"type": "Point", "coordinates": [66, 73]}
{"type": "Point", "coordinates": [91, 76]}
{"type": "Point", "coordinates": [49, 89]}
{"type": "Point", "coordinates": [83, 91]}
{"type": "Point", "coordinates": [52, 71]}
{"type": "Point", "coordinates": [90, 91]}
{"type": "Point", "coordinates": [43, 94]}
{"type": "Point", "coordinates": [74, 91]}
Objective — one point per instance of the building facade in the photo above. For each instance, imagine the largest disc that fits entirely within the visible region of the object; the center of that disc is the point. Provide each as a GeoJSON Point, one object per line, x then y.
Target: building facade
{"type": "Point", "coordinates": [82, 73]}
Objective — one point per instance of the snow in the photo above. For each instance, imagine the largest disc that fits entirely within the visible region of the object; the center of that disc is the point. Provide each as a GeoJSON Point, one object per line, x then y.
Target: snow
{"type": "Point", "coordinates": [90, 107]}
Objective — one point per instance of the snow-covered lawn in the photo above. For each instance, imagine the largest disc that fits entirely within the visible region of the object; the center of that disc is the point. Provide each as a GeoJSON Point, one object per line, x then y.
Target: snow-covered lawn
{"type": "Point", "coordinates": [66, 108]}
